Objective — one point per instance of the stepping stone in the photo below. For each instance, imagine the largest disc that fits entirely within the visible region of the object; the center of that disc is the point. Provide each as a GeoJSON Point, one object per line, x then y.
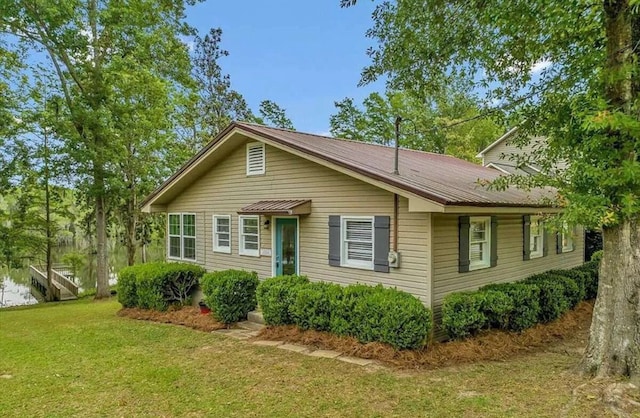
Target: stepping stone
{"type": "Point", "coordinates": [325, 353]}
{"type": "Point", "coordinates": [6, 376]}
{"type": "Point", "coordinates": [267, 343]}
{"type": "Point", "coordinates": [250, 326]}
{"type": "Point", "coordinates": [355, 360]}
{"type": "Point", "coordinates": [295, 348]}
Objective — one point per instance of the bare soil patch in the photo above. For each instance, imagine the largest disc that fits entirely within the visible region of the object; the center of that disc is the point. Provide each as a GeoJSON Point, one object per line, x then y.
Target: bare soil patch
{"type": "Point", "coordinates": [188, 316]}
{"type": "Point", "coordinates": [489, 345]}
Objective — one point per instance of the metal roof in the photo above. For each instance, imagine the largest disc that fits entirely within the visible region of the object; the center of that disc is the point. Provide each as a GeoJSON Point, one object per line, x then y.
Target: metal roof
{"type": "Point", "coordinates": [436, 177]}
{"type": "Point", "coordinates": [278, 207]}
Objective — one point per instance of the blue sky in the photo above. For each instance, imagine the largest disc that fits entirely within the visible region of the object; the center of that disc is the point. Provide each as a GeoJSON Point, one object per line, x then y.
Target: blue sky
{"type": "Point", "coordinates": [302, 54]}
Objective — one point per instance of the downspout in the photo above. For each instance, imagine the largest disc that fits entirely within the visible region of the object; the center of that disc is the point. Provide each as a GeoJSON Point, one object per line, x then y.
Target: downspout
{"type": "Point", "coordinates": [396, 200]}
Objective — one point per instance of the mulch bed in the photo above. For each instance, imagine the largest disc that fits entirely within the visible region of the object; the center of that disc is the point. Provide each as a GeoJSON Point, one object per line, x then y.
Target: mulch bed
{"type": "Point", "coordinates": [188, 316]}
{"type": "Point", "coordinates": [488, 345]}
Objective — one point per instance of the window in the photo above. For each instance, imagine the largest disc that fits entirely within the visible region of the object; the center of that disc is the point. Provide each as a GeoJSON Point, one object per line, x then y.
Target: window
{"type": "Point", "coordinates": [357, 242]}
{"type": "Point", "coordinates": [536, 237]}
{"type": "Point", "coordinates": [567, 239]}
{"type": "Point", "coordinates": [222, 233]}
{"type": "Point", "coordinates": [479, 242]}
{"type": "Point", "coordinates": [255, 159]}
{"type": "Point", "coordinates": [249, 235]}
{"type": "Point", "coordinates": [182, 236]}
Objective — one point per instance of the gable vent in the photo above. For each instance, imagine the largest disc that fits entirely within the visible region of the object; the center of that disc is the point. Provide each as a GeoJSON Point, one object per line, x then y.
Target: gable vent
{"type": "Point", "coordinates": [255, 159]}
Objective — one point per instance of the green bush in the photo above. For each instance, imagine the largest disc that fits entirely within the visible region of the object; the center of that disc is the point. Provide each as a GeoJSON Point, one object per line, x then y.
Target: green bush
{"type": "Point", "coordinates": [343, 309]}
{"type": "Point", "coordinates": [597, 257]}
{"type": "Point", "coordinates": [463, 314]}
{"type": "Point", "coordinates": [231, 294]}
{"type": "Point", "coordinates": [497, 307]}
{"type": "Point", "coordinates": [590, 270]}
{"type": "Point", "coordinates": [311, 308]}
{"type": "Point", "coordinates": [579, 279]}
{"type": "Point", "coordinates": [526, 303]}
{"type": "Point", "coordinates": [127, 293]}
{"type": "Point", "coordinates": [393, 317]}
{"type": "Point", "coordinates": [553, 300]}
{"type": "Point", "coordinates": [276, 296]}
{"type": "Point", "coordinates": [158, 285]}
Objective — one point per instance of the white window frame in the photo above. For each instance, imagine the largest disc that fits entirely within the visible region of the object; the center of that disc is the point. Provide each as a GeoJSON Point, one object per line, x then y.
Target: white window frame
{"type": "Point", "coordinates": [567, 233]}
{"type": "Point", "coordinates": [486, 254]}
{"type": "Point", "coordinates": [242, 235]}
{"type": "Point", "coordinates": [540, 251]}
{"type": "Point", "coordinates": [182, 235]}
{"type": "Point", "coordinates": [218, 248]}
{"type": "Point", "coordinates": [344, 260]}
{"type": "Point", "coordinates": [256, 145]}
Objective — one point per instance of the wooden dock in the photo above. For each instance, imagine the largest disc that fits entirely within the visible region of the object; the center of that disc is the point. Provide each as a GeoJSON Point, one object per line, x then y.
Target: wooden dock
{"type": "Point", "coordinates": [62, 287]}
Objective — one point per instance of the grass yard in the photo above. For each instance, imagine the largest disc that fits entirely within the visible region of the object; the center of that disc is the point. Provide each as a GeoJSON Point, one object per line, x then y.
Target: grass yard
{"type": "Point", "coordinates": [81, 359]}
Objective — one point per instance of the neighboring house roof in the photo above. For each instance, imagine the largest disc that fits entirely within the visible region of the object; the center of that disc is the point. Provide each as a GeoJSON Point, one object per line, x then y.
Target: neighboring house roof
{"type": "Point", "coordinates": [509, 168]}
{"type": "Point", "coordinates": [498, 141]}
{"type": "Point", "coordinates": [438, 178]}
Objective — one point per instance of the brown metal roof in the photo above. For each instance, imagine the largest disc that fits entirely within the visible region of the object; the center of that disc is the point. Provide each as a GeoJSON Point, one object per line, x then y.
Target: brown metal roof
{"type": "Point", "coordinates": [278, 207]}
{"type": "Point", "coordinates": [439, 178]}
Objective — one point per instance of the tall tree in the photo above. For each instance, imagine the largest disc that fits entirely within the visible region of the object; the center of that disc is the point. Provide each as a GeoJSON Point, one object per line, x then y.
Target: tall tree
{"type": "Point", "coordinates": [432, 128]}
{"type": "Point", "coordinates": [95, 48]}
{"type": "Point", "coordinates": [273, 115]}
{"type": "Point", "coordinates": [568, 70]}
{"type": "Point", "coordinates": [216, 103]}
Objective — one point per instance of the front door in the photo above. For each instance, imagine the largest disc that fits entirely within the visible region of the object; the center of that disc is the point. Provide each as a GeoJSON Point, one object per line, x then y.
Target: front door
{"type": "Point", "coordinates": [286, 245]}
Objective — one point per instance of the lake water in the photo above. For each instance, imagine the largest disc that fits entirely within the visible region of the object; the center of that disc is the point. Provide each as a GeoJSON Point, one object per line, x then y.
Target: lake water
{"type": "Point", "coordinates": [15, 283]}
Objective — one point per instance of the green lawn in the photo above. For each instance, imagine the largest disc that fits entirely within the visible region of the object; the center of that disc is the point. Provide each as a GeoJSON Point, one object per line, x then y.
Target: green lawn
{"type": "Point", "coordinates": [80, 359]}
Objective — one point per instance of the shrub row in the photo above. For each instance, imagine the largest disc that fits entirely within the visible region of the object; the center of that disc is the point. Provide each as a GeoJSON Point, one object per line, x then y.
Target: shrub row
{"type": "Point", "coordinates": [365, 312]}
{"type": "Point", "coordinates": [231, 294]}
{"type": "Point", "coordinates": [519, 305]}
{"type": "Point", "coordinates": [157, 285]}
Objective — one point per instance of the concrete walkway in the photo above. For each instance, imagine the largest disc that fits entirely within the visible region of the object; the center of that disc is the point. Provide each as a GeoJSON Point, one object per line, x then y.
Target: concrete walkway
{"type": "Point", "coordinates": [249, 330]}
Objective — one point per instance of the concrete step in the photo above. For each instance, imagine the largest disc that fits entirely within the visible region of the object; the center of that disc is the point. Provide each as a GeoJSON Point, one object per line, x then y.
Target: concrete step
{"type": "Point", "coordinates": [255, 317]}
{"type": "Point", "coordinates": [250, 326]}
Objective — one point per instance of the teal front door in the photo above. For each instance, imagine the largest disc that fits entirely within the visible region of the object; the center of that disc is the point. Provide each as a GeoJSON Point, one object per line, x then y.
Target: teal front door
{"type": "Point", "coordinates": [286, 246]}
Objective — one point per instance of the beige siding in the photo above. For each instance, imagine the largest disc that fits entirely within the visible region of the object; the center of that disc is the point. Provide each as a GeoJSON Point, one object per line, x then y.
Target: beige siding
{"type": "Point", "coordinates": [226, 189]}
{"type": "Point", "coordinates": [503, 151]}
{"type": "Point", "coordinates": [510, 266]}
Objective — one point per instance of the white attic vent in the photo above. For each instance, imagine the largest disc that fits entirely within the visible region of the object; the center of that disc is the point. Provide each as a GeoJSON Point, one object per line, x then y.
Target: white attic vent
{"type": "Point", "coordinates": [255, 159]}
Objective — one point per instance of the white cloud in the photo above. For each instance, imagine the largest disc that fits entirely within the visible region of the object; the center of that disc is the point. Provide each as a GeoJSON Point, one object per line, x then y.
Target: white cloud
{"type": "Point", "coordinates": [323, 133]}
{"type": "Point", "coordinates": [540, 66]}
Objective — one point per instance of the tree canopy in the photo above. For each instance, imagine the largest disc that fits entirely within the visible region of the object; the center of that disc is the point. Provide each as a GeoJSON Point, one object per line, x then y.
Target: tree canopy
{"type": "Point", "coordinates": [432, 128]}
{"type": "Point", "coordinates": [564, 69]}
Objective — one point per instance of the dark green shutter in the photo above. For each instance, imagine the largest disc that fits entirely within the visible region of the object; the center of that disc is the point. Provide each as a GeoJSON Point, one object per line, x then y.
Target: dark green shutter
{"type": "Point", "coordinates": [526, 237]}
{"type": "Point", "coordinates": [334, 240]}
{"type": "Point", "coordinates": [463, 244]}
{"type": "Point", "coordinates": [381, 244]}
{"type": "Point", "coordinates": [558, 242]}
{"type": "Point", "coordinates": [494, 241]}
{"type": "Point", "coordinates": [545, 241]}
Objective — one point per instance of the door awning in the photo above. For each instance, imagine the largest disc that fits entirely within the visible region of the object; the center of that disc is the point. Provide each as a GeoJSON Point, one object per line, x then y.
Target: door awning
{"type": "Point", "coordinates": [277, 207]}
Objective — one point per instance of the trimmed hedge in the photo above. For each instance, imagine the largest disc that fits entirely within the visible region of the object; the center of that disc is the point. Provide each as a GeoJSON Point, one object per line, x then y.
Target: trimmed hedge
{"type": "Point", "coordinates": [157, 285]}
{"type": "Point", "coordinates": [497, 307]}
{"type": "Point", "coordinates": [312, 306]}
{"type": "Point", "coordinates": [463, 314]}
{"type": "Point", "coordinates": [126, 287]}
{"type": "Point", "coordinates": [519, 305]}
{"type": "Point", "coordinates": [553, 300]}
{"type": "Point", "coordinates": [393, 317]}
{"type": "Point", "coordinates": [364, 312]}
{"type": "Point", "coordinates": [231, 294]}
{"type": "Point", "coordinates": [276, 296]}
{"type": "Point", "coordinates": [526, 303]}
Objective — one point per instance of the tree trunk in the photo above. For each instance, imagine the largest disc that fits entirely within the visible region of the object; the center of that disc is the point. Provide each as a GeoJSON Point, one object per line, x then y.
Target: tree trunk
{"type": "Point", "coordinates": [48, 226]}
{"type": "Point", "coordinates": [131, 236]}
{"type": "Point", "coordinates": [614, 343]}
{"type": "Point", "coordinates": [102, 259]}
